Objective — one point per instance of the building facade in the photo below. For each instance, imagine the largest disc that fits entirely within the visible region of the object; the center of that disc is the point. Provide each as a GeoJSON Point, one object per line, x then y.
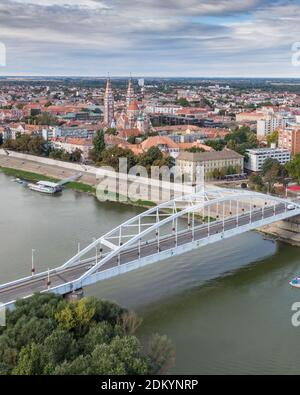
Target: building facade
{"type": "Point", "coordinates": [257, 157]}
{"type": "Point", "coordinates": [289, 138]}
{"type": "Point", "coordinates": [221, 161]}
{"type": "Point", "coordinates": [270, 124]}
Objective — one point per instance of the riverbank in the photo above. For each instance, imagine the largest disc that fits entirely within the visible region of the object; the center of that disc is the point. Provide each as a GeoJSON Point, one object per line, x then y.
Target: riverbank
{"type": "Point", "coordinates": [18, 172]}
{"type": "Point", "coordinates": [35, 177]}
{"type": "Point", "coordinates": [287, 232]}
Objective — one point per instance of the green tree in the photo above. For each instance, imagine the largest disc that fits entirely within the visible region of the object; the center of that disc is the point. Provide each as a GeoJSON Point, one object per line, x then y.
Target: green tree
{"type": "Point", "coordinates": [217, 145]}
{"type": "Point", "coordinates": [273, 138]}
{"type": "Point", "coordinates": [153, 155]}
{"type": "Point", "coordinates": [241, 139]}
{"type": "Point", "coordinates": [60, 346]}
{"type": "Point", "coordinates": [47, 335]}
{"type": "Point", "coordinates": [293, 168]}
{"type": "Point", "coordinates": [111, 131]}
{"type": "Point", "coordinates": [183, 102]}
{"type": "Point", "coordinates": [111, 157]}
{"type": "Point", "coordinates": [30, 361]}
{"type": "Point", "coordinates": [195, 150]}
{"type": "Point", "coordinates": [77, 317]}
{"type": "Point", "coordinates": [98, 146]}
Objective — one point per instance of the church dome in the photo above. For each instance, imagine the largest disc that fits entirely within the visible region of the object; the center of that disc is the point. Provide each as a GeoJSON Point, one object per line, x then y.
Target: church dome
{"type": "Point", "coordinates": [133, 106]}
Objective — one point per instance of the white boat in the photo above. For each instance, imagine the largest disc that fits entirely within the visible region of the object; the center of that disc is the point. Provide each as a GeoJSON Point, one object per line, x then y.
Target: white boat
{"type": "Point", "coordinates": [46, 187]}
{"type": "Point", "coordinates": [295, 282]}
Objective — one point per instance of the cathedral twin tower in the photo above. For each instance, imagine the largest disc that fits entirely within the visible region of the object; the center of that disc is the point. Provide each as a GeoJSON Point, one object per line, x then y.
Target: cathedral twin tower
{"type": "Point", "coordinates": [109, 111]}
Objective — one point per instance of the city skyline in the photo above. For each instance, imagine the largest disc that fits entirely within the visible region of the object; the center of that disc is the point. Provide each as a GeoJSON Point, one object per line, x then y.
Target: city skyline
{"type": "Point", "coordinates": [174, 39]}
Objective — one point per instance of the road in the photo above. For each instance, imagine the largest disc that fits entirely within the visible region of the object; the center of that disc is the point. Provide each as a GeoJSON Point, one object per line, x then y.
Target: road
{"type": "Point", "coordinates": [38, 283]}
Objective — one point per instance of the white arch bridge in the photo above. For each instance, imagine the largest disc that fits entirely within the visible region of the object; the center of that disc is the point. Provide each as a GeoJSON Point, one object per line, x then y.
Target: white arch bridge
{"type": "Point", "coordinates": [161, 232]}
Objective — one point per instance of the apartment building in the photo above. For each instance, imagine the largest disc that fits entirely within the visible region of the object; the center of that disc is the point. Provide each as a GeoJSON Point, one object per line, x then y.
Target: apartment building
{"type": "Point", "coordinates": [289, 138]}
{"type": "Point", "coordinates": [257, 157]}
{"type": "Point", "coordinates": [270, 124]}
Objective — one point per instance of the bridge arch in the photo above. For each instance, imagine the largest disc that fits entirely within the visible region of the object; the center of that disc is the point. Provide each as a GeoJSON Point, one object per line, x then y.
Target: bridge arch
{"type": "Point", "coordinates": [170, 212]}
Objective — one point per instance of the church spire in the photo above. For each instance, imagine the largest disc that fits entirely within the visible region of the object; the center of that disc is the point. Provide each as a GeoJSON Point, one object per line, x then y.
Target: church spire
{"type": "Point", "coordinates": [108, 104]}
{"type": "Point", "coordinates": [130, 97]}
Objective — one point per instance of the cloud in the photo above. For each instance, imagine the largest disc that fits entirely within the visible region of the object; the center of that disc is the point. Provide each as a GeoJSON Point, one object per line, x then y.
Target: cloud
{"type": "Point", "coordinates": [180, 37]}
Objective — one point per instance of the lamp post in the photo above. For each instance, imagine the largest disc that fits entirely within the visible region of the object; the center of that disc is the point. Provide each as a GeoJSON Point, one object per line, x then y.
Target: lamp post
{"type": "Point", "coordinates": [48, 279]}
{"type": "Point", "coordinates": [32, 262]}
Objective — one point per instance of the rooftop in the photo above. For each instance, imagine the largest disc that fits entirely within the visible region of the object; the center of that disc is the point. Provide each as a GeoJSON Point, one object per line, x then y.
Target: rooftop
{"type": "Point", "coordinates": [208, 156]}
{"type": "Point", "coordinates": [260, 151]}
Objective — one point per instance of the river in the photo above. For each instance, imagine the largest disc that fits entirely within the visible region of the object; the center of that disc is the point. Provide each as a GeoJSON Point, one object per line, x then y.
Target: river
{"type": "Point", "coordinates": [226, 307]}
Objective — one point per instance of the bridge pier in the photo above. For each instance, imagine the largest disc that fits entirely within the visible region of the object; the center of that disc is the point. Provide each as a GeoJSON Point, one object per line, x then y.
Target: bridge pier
{"type": "Point", "coordinates": [74, 296]}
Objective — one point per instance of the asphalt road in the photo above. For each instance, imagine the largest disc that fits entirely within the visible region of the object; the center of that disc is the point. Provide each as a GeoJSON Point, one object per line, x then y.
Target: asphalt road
{"type": "Point", "coordinates": [38, 282]}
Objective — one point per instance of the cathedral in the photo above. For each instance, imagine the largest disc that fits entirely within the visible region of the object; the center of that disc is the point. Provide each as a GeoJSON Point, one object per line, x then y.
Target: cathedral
{"type": "Point", "coordinates": [132, 117]}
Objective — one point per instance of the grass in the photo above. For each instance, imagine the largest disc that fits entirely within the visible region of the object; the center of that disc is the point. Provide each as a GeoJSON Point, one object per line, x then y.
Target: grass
{"type": "Point", "coordinates": [25, 175]}
{"type": "Point", "coordinates": [76, 186]}
{"type": "Point", "coordinates": [80, 187]}
{"type": "Point", "coordinates": [34, 177]}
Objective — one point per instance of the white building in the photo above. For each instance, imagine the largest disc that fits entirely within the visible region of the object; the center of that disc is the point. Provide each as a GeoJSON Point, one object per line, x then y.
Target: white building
{"type": "Point", "coordinates": [258, 156]}
{"type": "Point", "coordinates": [160, 109]}
{"type": "Point", "coordinates": [270, 124]}
{"type": "Point", "coordinates": [51, 133]}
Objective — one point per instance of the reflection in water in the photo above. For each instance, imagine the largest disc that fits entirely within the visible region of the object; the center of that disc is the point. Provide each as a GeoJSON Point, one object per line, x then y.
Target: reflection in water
{"type": "Point", "coordinates": [227, 307]}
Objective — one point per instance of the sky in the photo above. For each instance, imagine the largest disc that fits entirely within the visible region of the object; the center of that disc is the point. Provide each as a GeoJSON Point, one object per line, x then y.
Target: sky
{"type": "Point", "coordinates": [163, 38]}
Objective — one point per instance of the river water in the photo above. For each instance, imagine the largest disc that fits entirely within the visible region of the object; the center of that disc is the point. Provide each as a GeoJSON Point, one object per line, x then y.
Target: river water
{"type": "Point", "coordinates": [226, 307]}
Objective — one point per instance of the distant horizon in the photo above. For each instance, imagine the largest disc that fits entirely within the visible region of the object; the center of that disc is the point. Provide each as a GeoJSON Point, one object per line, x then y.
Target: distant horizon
{"type": "Point", "coordinates": [148, 76]}
{"type": "Point", "coordinates": [150, 38]}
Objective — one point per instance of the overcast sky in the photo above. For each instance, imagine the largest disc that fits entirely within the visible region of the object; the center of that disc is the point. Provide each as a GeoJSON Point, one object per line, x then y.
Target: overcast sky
{"type": "Point", "coordinates": [204, 38]}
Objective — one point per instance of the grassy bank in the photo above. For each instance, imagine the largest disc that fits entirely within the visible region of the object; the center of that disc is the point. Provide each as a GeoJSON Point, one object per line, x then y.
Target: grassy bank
{"type": "Point", "coordinates": [34, 177]}
{"type": "Point", "coordinates": [76, 186]}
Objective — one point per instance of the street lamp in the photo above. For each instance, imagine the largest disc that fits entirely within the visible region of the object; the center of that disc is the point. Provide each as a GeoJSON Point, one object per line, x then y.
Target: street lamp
{"type": "Point", "coordinates": [32, 262]}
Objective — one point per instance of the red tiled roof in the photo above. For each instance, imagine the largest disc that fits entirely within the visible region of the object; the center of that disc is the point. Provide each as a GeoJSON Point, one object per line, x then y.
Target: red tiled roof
{"type": "Point", "coordinates": [158, 140]}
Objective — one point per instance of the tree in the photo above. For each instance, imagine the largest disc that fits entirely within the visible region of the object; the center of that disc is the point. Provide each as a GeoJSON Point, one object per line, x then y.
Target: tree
{"type": "Point", "coordinates": [148, 158]}
{"type": "Point", "coordinates": [183, 102]}
{"type": "Point", "coordinates": [241, 139]}
{"type": "Point", "coordinates": [98, 146]}
{"type": "Point", "coordinates": [34, 145]}
{"type": "Point", "coordinates": [217, 145]}
{"type": "Point", "coordinates": [293, 168]}
{"type": "Point", "coordinates": [111, 131]}
{"type": "Point", "coordinates": [111, 157]}
{"type": "Point", "coordinates": [34, 112]}
{"type": "Point", "coordinates": [30, 361]}
{"type": "Point", "coordinates": [273, 171]}
{"type": "Point", "coordinates": [273, 138]}
{"type": "Point", "coordinates": [162, 354]}
{"type": "Point", "coordinates": [76, 155]}
{"type": "Point", "coordinates": [256, 182]}
{"type": "Point", "coordinates": [121, 357]}
{"type": "Point", "coordinates": [60, 346]}
{"type": "Point", "coordinates": [46, 335]}
{"type": "Point", "coordinates": [76, 317]}
{"type": "Point", "coordinates": [195, 150]}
